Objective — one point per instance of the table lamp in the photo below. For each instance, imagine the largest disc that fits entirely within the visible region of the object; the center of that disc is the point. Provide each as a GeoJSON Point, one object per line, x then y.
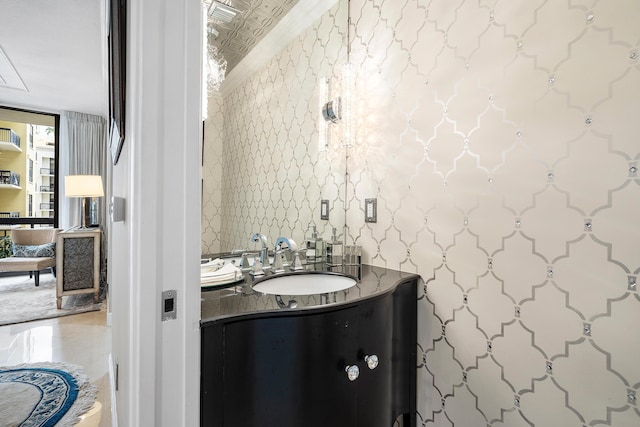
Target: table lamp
{"type": "Point", "coordinates": [85, 186]}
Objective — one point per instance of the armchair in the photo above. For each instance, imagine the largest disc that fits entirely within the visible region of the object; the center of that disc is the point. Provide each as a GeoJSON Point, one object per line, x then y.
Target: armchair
{"type": "Point", "coordinates": [34, 250]}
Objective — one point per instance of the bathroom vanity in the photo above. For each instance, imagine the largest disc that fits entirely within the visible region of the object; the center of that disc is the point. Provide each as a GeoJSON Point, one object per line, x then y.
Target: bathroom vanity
{"type": "Point", "coordinates": [345, 358]}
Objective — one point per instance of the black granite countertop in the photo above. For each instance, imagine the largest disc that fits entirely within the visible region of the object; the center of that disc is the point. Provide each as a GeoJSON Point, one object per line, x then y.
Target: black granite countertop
{"type": "Point", "coordinates": [222, 302]}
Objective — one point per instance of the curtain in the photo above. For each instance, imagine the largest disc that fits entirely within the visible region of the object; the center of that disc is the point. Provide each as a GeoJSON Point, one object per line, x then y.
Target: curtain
{"type": "Point", "coordinates": [83, 151]}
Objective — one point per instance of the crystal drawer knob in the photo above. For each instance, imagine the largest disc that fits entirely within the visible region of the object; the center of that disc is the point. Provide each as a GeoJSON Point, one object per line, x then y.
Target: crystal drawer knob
{"type": "Point", "coordinates": [353, 372]}
{"type": "Point", "coordinates": [372, 361]}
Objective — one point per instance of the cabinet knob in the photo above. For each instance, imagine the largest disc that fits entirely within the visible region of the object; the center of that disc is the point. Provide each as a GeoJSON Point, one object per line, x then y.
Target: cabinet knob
{"type": "Point", "coordinates": [353, 372]}
{"type": "Point", "coordinates": [372, 361]}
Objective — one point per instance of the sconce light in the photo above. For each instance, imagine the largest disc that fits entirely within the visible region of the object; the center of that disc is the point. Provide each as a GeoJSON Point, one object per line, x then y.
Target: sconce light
{"type": "Point", "coordinates": [341, 108]}
{"type": "Point", "coordinates": [84, 186]}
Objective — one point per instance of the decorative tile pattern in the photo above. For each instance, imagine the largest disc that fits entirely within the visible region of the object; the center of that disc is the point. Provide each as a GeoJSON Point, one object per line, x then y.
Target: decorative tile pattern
{"type": "Point", "coordinates": [500, 140]}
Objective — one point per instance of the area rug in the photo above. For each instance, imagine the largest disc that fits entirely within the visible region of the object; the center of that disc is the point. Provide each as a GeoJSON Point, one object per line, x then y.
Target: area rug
{"type": "Point", "coordinates": [21, 301]}
{"type": "Point", "coordinates": [44, 394]}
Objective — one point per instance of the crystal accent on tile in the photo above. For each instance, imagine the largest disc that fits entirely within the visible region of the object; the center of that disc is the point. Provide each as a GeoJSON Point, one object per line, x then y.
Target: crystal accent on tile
{"type": "Point", "coordinates": [518, 222]}
{"type": "Point", "coordinates": [490, 180]}
{"type": "Point", "coordinates": [492, 15]}
{"type": "Point", "coordinates": [552, 79]}
{"type": "Point", "coordinates": [588, 120]}
{"type": "Point", "coordinates": [516, 401]}
{"type": "Point", "coordinates": [443, 330]}
{"type": "Point", "coordinates": [491, 98]}
{"type": "Point", "coordinates": [633, 54]}
{"type": "Point", "coordinates": [465, 299]}
{"type": "Point", "coordinates": [519, 44]}
{"type": "Point", "coordinates": [631, 396]}
{"type": "Point", "coordinates": [519, 134]}
{"type": "Point", "coordinates": [549, 271]}
{"type": "Point", "coordinates": [442, 402]}
{"type": "Point", "coordinates": [587, 329]}
{"type": "Point", "coordinates": [424, 289]}
{"type": "Point", "coordinates": [550, 176]}
{"type": "Point", "coordinates": [424, 359]}
{"type": "Point", "coordinates": [633, 171]}
{"type": "Point", "coordinates": [549, 367]}
{"type": "Point", "coordinates": [490, 264]}
{"type": "Point", "coordinates": [489, 347]}
{"type": "Point", "coordinates": [632, 282]}
{"type": "Point", "coordinates": [587, 224]}
{"type": "Point", "coordinates": [466, 221]}
{"type": "Point", "coordinates": [517, 311]}
{"type": "Point", "coordinates": [444, 257]}
{"type": "Point", "coordinates": [464, 376]}
{"type": "Point", "coordinates": [590, 17]}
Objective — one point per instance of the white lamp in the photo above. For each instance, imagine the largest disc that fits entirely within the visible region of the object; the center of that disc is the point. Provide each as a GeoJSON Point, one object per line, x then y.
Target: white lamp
{"type": "Point", "coordinates": [85, 186]}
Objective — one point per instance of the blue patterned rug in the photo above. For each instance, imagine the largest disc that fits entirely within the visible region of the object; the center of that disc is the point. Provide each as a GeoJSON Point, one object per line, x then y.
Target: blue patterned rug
{"type": "Point", "coordinates": [44, 395]}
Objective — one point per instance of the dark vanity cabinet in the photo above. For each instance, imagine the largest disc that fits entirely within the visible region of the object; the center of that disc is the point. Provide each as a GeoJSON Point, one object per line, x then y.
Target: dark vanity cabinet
{"type": "Point", "coordinates": [288, 368]}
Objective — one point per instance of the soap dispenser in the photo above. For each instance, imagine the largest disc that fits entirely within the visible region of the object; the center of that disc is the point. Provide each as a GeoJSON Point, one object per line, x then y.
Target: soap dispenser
{"type": "Point", "coordinates": [334, 252]}
{"type": "Point", "coordinates": [314, 246]}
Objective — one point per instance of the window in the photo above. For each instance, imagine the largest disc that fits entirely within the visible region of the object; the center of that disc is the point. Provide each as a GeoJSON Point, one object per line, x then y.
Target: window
{"type": "Point", "coordinates": [30, 204]}
{"type": "Point", "coordinates": [30, 172]}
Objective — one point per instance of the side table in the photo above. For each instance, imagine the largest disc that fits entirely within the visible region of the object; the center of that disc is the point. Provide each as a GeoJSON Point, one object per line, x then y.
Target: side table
{"type": "Point", "coordinates": [78, 263]}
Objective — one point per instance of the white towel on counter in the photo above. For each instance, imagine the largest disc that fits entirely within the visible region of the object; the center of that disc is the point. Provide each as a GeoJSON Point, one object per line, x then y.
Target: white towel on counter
{"type": "Point", "coordinates": [212, 274]}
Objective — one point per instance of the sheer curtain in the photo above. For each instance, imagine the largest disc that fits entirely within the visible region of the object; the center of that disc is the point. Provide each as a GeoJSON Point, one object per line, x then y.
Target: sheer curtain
{"type": "Point", "coordinates": [83, 151]}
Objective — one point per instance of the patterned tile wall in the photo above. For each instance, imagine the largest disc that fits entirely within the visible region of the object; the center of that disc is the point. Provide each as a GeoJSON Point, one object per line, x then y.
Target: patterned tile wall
{"type": "Point", "coordinates": [499, 139]}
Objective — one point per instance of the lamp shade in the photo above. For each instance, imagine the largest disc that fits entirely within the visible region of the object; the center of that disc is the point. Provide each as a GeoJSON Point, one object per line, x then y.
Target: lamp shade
{"type": "Point", "coordinates": [83, 186]}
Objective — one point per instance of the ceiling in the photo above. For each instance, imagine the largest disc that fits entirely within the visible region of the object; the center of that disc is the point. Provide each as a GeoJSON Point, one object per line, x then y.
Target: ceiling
{"type": "Point", "coordinates": [256, 18]}
{"type": "Point", "coordinates": [53, 55]}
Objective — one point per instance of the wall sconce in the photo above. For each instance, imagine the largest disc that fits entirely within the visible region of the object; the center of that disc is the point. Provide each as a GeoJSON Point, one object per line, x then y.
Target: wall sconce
{"type": "Point", "coordinates": [84, 186]}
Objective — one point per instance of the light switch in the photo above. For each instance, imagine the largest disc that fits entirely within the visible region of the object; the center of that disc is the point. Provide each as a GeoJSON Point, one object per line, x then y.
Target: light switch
{"type": "Point", "coordinates": [324, 209]}
{"type": "Point", "coordinates": [370, 210]}
{"type": "Point", "coordinates": [169, 305]}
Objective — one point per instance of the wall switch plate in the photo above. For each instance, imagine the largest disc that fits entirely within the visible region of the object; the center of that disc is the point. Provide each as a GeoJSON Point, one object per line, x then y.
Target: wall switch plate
{"type": "Point", "coordinates": [116, 209]}
{"type": "Point", "coordinates": [324, 209]}
{"type": "Point", "coordinates": [169, 305]}
{"type": "Point", "coordinates": [370, 210]}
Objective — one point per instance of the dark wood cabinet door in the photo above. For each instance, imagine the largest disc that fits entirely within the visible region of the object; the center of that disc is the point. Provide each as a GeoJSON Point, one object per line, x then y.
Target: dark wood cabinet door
{"type": "Point", "coordinates": [289, 371]}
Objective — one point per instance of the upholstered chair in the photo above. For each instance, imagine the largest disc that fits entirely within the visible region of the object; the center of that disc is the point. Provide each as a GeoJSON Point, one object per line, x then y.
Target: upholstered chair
{"type": "Point", "coordinates": [33, 250]}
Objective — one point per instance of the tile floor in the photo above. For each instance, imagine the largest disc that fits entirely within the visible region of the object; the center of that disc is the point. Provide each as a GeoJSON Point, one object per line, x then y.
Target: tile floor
{"type": "Point", "coordinates": [82, 339]}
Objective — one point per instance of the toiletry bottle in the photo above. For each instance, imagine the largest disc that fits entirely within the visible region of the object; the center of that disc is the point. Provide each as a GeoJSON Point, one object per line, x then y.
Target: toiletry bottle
{"type": "Point", "coordinates": [311, 246]}
{"type": "Point", "coordinates": [336, 251]}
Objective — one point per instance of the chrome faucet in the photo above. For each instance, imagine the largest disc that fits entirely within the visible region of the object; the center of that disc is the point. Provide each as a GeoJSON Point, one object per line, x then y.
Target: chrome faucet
{"type": "Point", "coordinates": [296, 263]}
{"type": "Point", "coordinates": [264, 250]}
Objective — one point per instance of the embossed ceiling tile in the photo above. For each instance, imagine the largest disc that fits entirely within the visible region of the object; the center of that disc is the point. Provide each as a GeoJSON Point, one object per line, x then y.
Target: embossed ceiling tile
{"type": "Point", "coordinates": [446, 370]}
{"type": "Point", "coordinates": [545, 405]}
{"type": "Point", "coordinates": [516, 16]}
{"type": "Point", "coordinates": [519, 267]}
{"type": "Point", "coordinates": [471, 21]}
{"type": "Point", "coordinates": [443, 13]}
{"type": "Point", "coordinates": [468, 342]}
{"type": "Point", "coordinates": [467, 104]}
{"type": "Point", "coordinates": [588, 89]}
{"type": "Point", "coordinates": [611, 119]}
{"type": "Point", "coordinates": [467, 259]}
{"type": "Point", "coordinates": [518, 193]}
{"type": "Point", "coordinates": [528, 364]}
{"type": "Point", "coordinates": [446, 296]}
{"type": "Point", "coordinates": [551, 223]}
{"type": "Point", "coordinates": [462, 408]}
{"type": "Point", "coordinates": [589, 172]}
{"type": "Point", "coordinates": [628, 417]}
{"type": "Point", "coordinates": [618, 225]}
{"type": "Point", "coordinates": [551, 320]}
{"type": "Point", "coordinates": [557, 24]}
{"type": "Point", "coordinates": [445, 221]}
{"type": "Point", "coordinates": [592, 389]}
{"type": "Point", "coordinates": [623, 317]}
{"type": "Point", "coordinates": [444, 147]}
{"type": "Point", "coordinates": [467, 182]}
{"type": "Point", "coordinates": [494, 137]}
{"type": "Point", "coordinates": [488, 376]}
{"type": "Point", "coordinates": [620, 19]}
{"type": "Point", "coordinates": [492, 306]}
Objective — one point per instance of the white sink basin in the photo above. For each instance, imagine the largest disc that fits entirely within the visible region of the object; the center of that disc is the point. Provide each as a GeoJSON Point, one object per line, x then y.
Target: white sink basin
{"type": "Point", "coordinates": [304, 284]}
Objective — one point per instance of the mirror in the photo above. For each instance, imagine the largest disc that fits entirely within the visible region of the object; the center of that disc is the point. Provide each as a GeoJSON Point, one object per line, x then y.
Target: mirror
{"type": "Point", "coordinates": [264, 169]}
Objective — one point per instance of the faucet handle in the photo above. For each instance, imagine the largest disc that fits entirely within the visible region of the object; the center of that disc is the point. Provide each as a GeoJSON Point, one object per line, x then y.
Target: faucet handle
{"type": "Point", "coordinates": [258, 269]}
{"type": "Point", "coordinates": [296, 263]}
{"type": "Point", "coordinates": [277, 261]}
